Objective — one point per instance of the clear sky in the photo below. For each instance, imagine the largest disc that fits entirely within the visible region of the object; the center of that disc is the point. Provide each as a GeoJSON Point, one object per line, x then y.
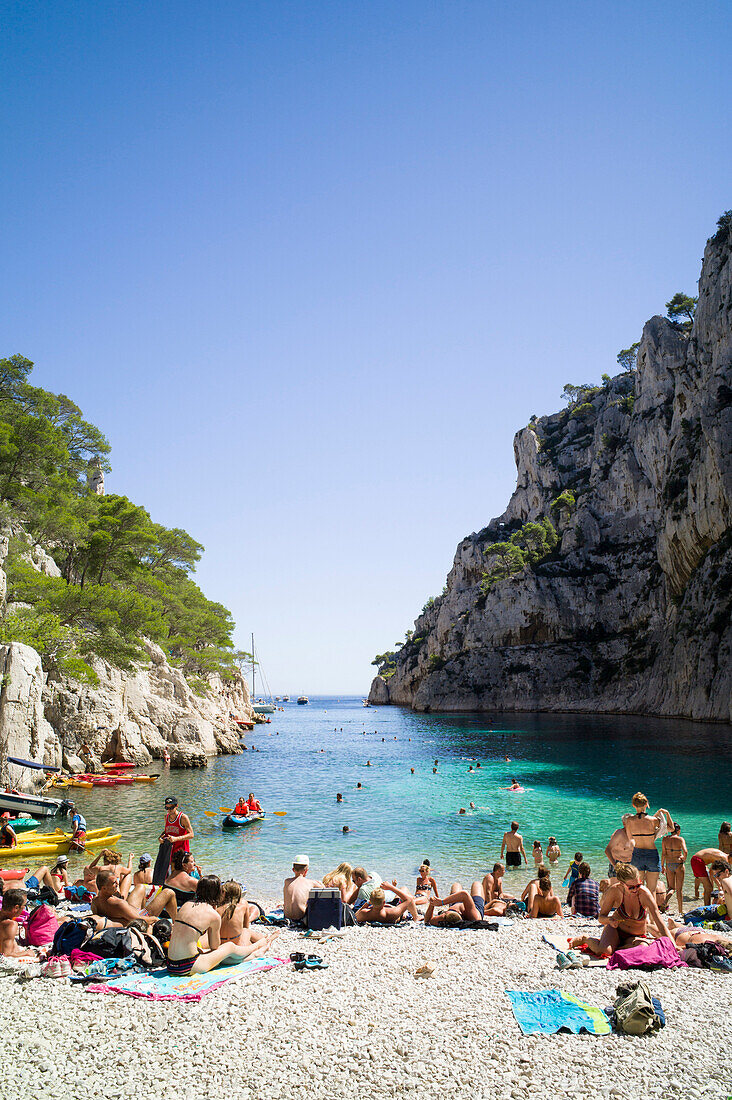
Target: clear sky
{"type": "Point", "coordinates": [311, 265]}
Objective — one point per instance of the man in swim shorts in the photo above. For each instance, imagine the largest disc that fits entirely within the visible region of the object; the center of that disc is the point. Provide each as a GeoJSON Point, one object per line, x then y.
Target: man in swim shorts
{"type": "Point", "coordinates": [513, 846]}
{"type": "Point", "coordinates": [110, 903]}
{"type": "Point", "coordinates": [619, 850]}
{"type": "Point", "coordinates": [700, 861]}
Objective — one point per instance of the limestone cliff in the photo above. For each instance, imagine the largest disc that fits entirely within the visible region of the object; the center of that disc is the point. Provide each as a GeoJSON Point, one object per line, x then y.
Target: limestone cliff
{"type": "Point", "coordinates": [630, 612]}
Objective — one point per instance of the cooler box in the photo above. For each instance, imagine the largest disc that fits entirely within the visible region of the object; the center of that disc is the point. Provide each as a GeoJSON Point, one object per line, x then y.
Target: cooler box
{"type": "Point", "coordinates": [325, 909]}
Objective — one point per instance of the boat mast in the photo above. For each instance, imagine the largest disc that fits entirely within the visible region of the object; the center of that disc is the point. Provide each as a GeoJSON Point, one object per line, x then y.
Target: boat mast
{"type": "Point", "coordinates": [253, 662]}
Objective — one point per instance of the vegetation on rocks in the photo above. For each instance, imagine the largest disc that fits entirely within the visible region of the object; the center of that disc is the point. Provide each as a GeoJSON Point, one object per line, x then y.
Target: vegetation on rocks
{"type": "Point", "coordinates": [529, 545]}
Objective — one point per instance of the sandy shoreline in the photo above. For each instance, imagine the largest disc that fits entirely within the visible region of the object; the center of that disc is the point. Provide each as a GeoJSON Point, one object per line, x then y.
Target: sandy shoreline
{"type": "Point", "coordinates": [367, 1024]}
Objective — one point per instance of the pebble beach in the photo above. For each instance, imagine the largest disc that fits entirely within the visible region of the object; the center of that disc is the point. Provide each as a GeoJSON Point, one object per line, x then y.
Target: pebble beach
{"type": "Point", "coordinates": [367, 1025]}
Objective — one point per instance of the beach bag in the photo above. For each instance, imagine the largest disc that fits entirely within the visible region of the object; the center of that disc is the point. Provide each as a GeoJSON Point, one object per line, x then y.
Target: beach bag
{"type": "Point", "coordinates": [112, 943]}
{"type": "Point", "coordinates": [162, 863]}
{"type": "Point", "coordinates": [70, 936]}
{"type": "Point", "coordinates": [41, 926]}
{"type": "Point", "coordinates": [635, 1012]}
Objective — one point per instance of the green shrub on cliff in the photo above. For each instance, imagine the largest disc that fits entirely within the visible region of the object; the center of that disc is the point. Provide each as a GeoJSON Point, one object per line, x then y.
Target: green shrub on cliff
{"type": "Point", "coordinates": [124, 577]}
{"type": "Point", "coordinates": [533, 542]}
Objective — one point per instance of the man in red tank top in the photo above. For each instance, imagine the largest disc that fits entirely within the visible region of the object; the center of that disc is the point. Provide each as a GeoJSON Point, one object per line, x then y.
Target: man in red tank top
{"type": "Point", "coordinates": [177, 827]}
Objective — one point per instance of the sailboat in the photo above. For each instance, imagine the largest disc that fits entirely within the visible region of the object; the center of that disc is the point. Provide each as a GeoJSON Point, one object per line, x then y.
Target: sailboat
{"type": "Point", "coordinates": [260, 706]}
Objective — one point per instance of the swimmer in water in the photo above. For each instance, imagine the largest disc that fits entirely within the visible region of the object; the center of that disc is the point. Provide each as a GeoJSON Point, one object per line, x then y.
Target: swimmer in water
{"type": "Point", "coordinates": [368, 763]}
{"type": "Point", "coordinates": [472, 805]}
{"type": "Point", "coordinates": [346, 829]}
{"type": "Point", "coordinates": [470, 768]}
{"type": "Point", "coordinates": [515, 785]}
{"type": "Point", "coordinates": [359, 787]}
{"type": "Point", "coordinates": [462, 810]}
{"type": "Point", "coordinates": [434, 771]}
{"type": "Point", "coordinates": [339, 798]}
{"type": "Point", "coordinates": [507, 759]}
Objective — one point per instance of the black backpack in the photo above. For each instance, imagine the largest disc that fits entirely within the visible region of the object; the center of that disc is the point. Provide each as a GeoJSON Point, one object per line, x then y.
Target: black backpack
{"type": "Point", "coordinates": [69, 936]}
{"type": "Point", "coordinates": [112, 943]}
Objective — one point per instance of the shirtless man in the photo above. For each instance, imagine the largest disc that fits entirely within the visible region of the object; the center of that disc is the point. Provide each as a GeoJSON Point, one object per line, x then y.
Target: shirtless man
{"type": "Point", "coordinates": [110, 903]}
{"type": "Point", "coordinates": [674, 854]}
{"type": "Point", "coordinates": [725, 838]}
{"type": "Point", "coordinates": [13, 905]}
{"type": "Point", "coordinates": [721, 872]}
{"type": "Point", "coordinates": [700, 861]}
{"type": "Point", "coordinates": [297, 889]}
{"type": "Point", "coordinates": [619, 850]}
{"type": "Point", "coordinates": [376, 911]}
{"type": "Point", "coordinates": [493, 883]}
{"type": "Point", "coordinates": [545, 903]}
{"type": "Point", "coordinates": [513, 846]}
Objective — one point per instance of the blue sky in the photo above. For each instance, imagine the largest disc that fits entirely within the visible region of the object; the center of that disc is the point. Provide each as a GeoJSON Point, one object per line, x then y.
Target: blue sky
{"type": "Point", "coordinates": [311, 265]}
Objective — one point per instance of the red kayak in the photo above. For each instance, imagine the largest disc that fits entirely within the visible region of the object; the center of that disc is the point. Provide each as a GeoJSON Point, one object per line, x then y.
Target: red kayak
{"type": "Point", "coordinates": [14, 876]}
{"type": "Point", "coordinates": [117, 767]}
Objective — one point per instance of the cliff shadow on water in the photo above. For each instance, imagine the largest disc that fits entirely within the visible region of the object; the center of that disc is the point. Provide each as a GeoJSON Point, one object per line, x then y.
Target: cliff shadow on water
{"type": "Point", "coordinates": [606, 585]}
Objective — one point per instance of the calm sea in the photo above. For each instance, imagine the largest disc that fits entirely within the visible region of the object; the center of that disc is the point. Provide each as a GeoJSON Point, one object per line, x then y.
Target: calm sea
{"type": "Point", "coordinates": [579, 773]}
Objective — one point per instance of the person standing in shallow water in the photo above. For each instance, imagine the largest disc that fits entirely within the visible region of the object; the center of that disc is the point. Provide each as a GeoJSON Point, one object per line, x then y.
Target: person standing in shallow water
{"type": "Point", "coordinates": [513, 846]}
{"type": "Point", "coordinates": [674, 854]}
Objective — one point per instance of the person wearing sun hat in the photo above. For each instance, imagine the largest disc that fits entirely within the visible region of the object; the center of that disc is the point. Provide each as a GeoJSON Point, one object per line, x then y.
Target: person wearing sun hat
{"type": "Point", "coordinates": [297, 888]}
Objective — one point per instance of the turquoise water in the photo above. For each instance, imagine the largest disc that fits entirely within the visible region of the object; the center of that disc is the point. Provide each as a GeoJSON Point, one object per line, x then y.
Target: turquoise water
{"type": "Point", "coordinates": [580, 773]}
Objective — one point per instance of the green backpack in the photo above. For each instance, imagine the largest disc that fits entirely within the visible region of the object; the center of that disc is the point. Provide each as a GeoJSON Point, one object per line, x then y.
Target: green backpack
{"type": "Point", "coordinates": [634, 1010]}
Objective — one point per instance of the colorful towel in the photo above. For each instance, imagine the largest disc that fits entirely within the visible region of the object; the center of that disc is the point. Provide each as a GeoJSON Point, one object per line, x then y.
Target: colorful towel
{"type": "Point", "coordinates": [647, 956]}
{"type": "Point", "coordinates": [159, 985]}
{"type": "Point", "coordinates": [547, 1011]}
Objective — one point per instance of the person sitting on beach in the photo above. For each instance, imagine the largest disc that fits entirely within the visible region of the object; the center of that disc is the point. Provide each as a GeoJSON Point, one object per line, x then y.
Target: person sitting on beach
{"type": "Point", "coordinates": [199, 919]}
{"type": "Point", "coordinates": [8, 835]}
{"type": "Point", "coordinates": [340, 880]}
{"type": "Point", "coordinates": [584, 894]}
{"type": "Point", "coordinates": [13, 905]}
{"type": "Point", "coordinates": [493, 884]}
{"type": "Point", "coordinates": [721, 873]}
{"type": "Point", "coordinates": [545, 902]}
{"type": "Point", "coordinates": [181, 879]}
{"type": "Point", "coordinates": [619, 850]}
{"type": "Point", "coordinates": [627, 909]}
{"type": "Point", "coordinates": [513, 846]}
{"type": "Point", "coordinates": [700, 861]}
{"type": "Point", "coordinates": [643, 829]}
{"type": "Point", "coordinates": [253, 804]}
{"type": "Point", "coordinates": [553, 851]}
{"type": "Point", "coordinates": [236, 916]}
{"type": "Point", "coordinates": [110, 903]}
{"type": "Point", "coordinates": [111, 861]}
{"type": "Point", "coordinates": [724, 840]}
{"type": "Point", "coordinates": [467, 906]}
{"type": "Point", "coordinates": [532, 887]}
{"type": "Point", "coordinates": [365, 882]}
{"type": "Point", "coordinates": [297, 889]}
{"type": "Point", "coordinates": [537, 853]}
{"type": "Point", "coordinates": [142, 889]}
{"type": "Point", "coordinates": [376, 911]}
{"type": "Point", "coordinates": [426, 884]}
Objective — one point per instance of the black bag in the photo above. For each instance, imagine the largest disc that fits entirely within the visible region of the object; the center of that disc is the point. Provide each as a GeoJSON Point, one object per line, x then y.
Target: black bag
{"type": "Point", "coordinates": [162, 863]}
{"type": "Point", "coordinates": [324, 909]}
{"type": "Point", "coordinates": [70, 935]}
{"type": "Point", "coordinates": [146, 948]}
{"type": "Point", "coordinates": [112, 943]}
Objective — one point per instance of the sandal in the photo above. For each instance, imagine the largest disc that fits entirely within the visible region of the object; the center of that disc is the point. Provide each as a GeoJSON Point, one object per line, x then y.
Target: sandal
{"type": "Point", "coordinates": [314, 962]}
{"type": "Point", "coordinates": [297, 957]}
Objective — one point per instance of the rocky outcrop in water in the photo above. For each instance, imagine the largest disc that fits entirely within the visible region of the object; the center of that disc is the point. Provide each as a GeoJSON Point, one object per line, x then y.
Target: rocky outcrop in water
{"type": "Point", "coordinates": [631, 610]}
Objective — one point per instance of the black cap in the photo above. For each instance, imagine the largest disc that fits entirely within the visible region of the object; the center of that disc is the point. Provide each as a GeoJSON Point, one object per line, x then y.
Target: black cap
{"type": "Point", "coordinates": [170, 801]}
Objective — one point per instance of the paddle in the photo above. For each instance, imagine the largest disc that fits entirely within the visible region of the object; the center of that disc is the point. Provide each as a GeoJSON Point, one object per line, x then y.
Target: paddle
{"type": "Point", "coordinates": [211, 813]}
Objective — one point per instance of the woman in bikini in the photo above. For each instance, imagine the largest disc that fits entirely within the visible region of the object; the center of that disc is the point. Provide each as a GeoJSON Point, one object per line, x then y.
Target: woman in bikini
{"type": "Point", "coordinates": [236, 915]}
{"type": "Point", "coordinates": [553, 851]}
{"type": "Point", "coordinates": [142, 889]}
{"type": "Point", "coordinates": [643, 829]}
{"type": "Point", "coordinates": [626, 910]}
{"type": "Point", "coordinates": [198, 920]}
{"type": "Point", "coordinates": [426, 884]}
{"type": "Point", "coordinates": [674, 854]}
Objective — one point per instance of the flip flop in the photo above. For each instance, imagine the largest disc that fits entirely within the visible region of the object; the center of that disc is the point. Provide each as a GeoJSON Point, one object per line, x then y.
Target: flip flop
{"type": "Point", "coordinates": [297, 957]}
{"type": "Point", "coordinates": [314, 962]}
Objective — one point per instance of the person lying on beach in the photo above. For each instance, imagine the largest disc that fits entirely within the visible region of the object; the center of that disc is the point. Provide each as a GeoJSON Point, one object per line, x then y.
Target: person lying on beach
{"type": "Point", "coordinates": [619, 850]}
{"type": "Point", "coordinates": [181, 879]}
{"type": "Point", "coordinates": [376, 911]}
{"type": "Point", "coordinates": [236, 916]}
{"type": "Point", "coordinates": [110, 903]}
{"type": "Point", "coordinates": [467, 906]}
{"type": "Point", "coordinates": [513, 846]}
{"type": "Point", "coordinates": [628, 912]}
{"type": "Point", "coordinates": [55, 878]}
{"type": "Point", "coordinates": [198, 920]}
{"type": "Point", "coordinates": [684, 936]}
{"type": "Point", "coordinates": [721, 873]}
{"type": "Point", "coordinates": [341, 879]}
{"type": "Point", "coordinates": [12, 907]}
{"type": "Point", "coordinates": [700, 861]}
{"type": "Point", "coordinates": [545, 903]}
{"type": "Point", "coordinates": [426, 884]}
{"type": "Point", "coordinates": [297, 888]}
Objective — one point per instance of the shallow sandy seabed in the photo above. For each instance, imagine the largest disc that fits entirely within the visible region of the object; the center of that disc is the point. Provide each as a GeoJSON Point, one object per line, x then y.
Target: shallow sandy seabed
{"type": "Point", "coordinates": [366, 1025]}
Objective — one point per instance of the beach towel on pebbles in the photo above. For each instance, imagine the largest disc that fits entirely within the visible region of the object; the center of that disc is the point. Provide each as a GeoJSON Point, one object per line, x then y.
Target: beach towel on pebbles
{"type": "Point", "coordinates": [547, 1011]}
{"type": "Point", "coordinates": [159, 985]}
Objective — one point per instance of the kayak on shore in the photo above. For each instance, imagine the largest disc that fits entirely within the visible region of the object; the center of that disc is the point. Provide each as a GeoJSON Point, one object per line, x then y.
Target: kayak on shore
{"type": "Point", "coordinates": [28, 851]}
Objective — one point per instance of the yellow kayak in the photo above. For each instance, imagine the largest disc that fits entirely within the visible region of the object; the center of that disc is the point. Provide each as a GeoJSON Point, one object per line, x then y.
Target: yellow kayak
{"type": "Point", "coordinates": [59, 837]}
{"type": "Point", "coordinates": [37, 851]}
{"type": "Point", "coordinates": [80, 783]}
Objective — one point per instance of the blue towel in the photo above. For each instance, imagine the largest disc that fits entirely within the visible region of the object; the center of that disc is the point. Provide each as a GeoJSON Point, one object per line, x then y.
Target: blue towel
{"type": "Point", "coordinates": [547, 1011]}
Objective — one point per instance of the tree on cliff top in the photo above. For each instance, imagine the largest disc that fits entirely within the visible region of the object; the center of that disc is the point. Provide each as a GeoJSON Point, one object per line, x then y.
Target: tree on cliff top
{"type": "Point", "coordinates": [628, 357]}
{"type": "Point", "coordinates": [681, 305]}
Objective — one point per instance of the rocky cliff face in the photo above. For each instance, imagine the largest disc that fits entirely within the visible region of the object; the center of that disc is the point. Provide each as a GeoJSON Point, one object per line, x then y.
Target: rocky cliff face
{"type": "Point", "coordinates": [631, 612]}
{"type": "Point", "coordinates": [127, 716]}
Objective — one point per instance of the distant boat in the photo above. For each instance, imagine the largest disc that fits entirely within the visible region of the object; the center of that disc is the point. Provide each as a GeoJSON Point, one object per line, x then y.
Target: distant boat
{"type": "Point", "coordinates": [260, 707]}
{"type": "Point", "coordinates": [29, 804]}
{"type": "Point", "coordinates": [366, 703]}
{"type": "Point", "coordinates": [302, 699]}
{"type": "Point", "coordinates": [285, 698]}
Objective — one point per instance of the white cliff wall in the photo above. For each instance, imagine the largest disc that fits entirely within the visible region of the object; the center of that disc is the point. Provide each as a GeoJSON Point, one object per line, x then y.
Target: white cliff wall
{"type": "Point", "coordinates": [632, 613]}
